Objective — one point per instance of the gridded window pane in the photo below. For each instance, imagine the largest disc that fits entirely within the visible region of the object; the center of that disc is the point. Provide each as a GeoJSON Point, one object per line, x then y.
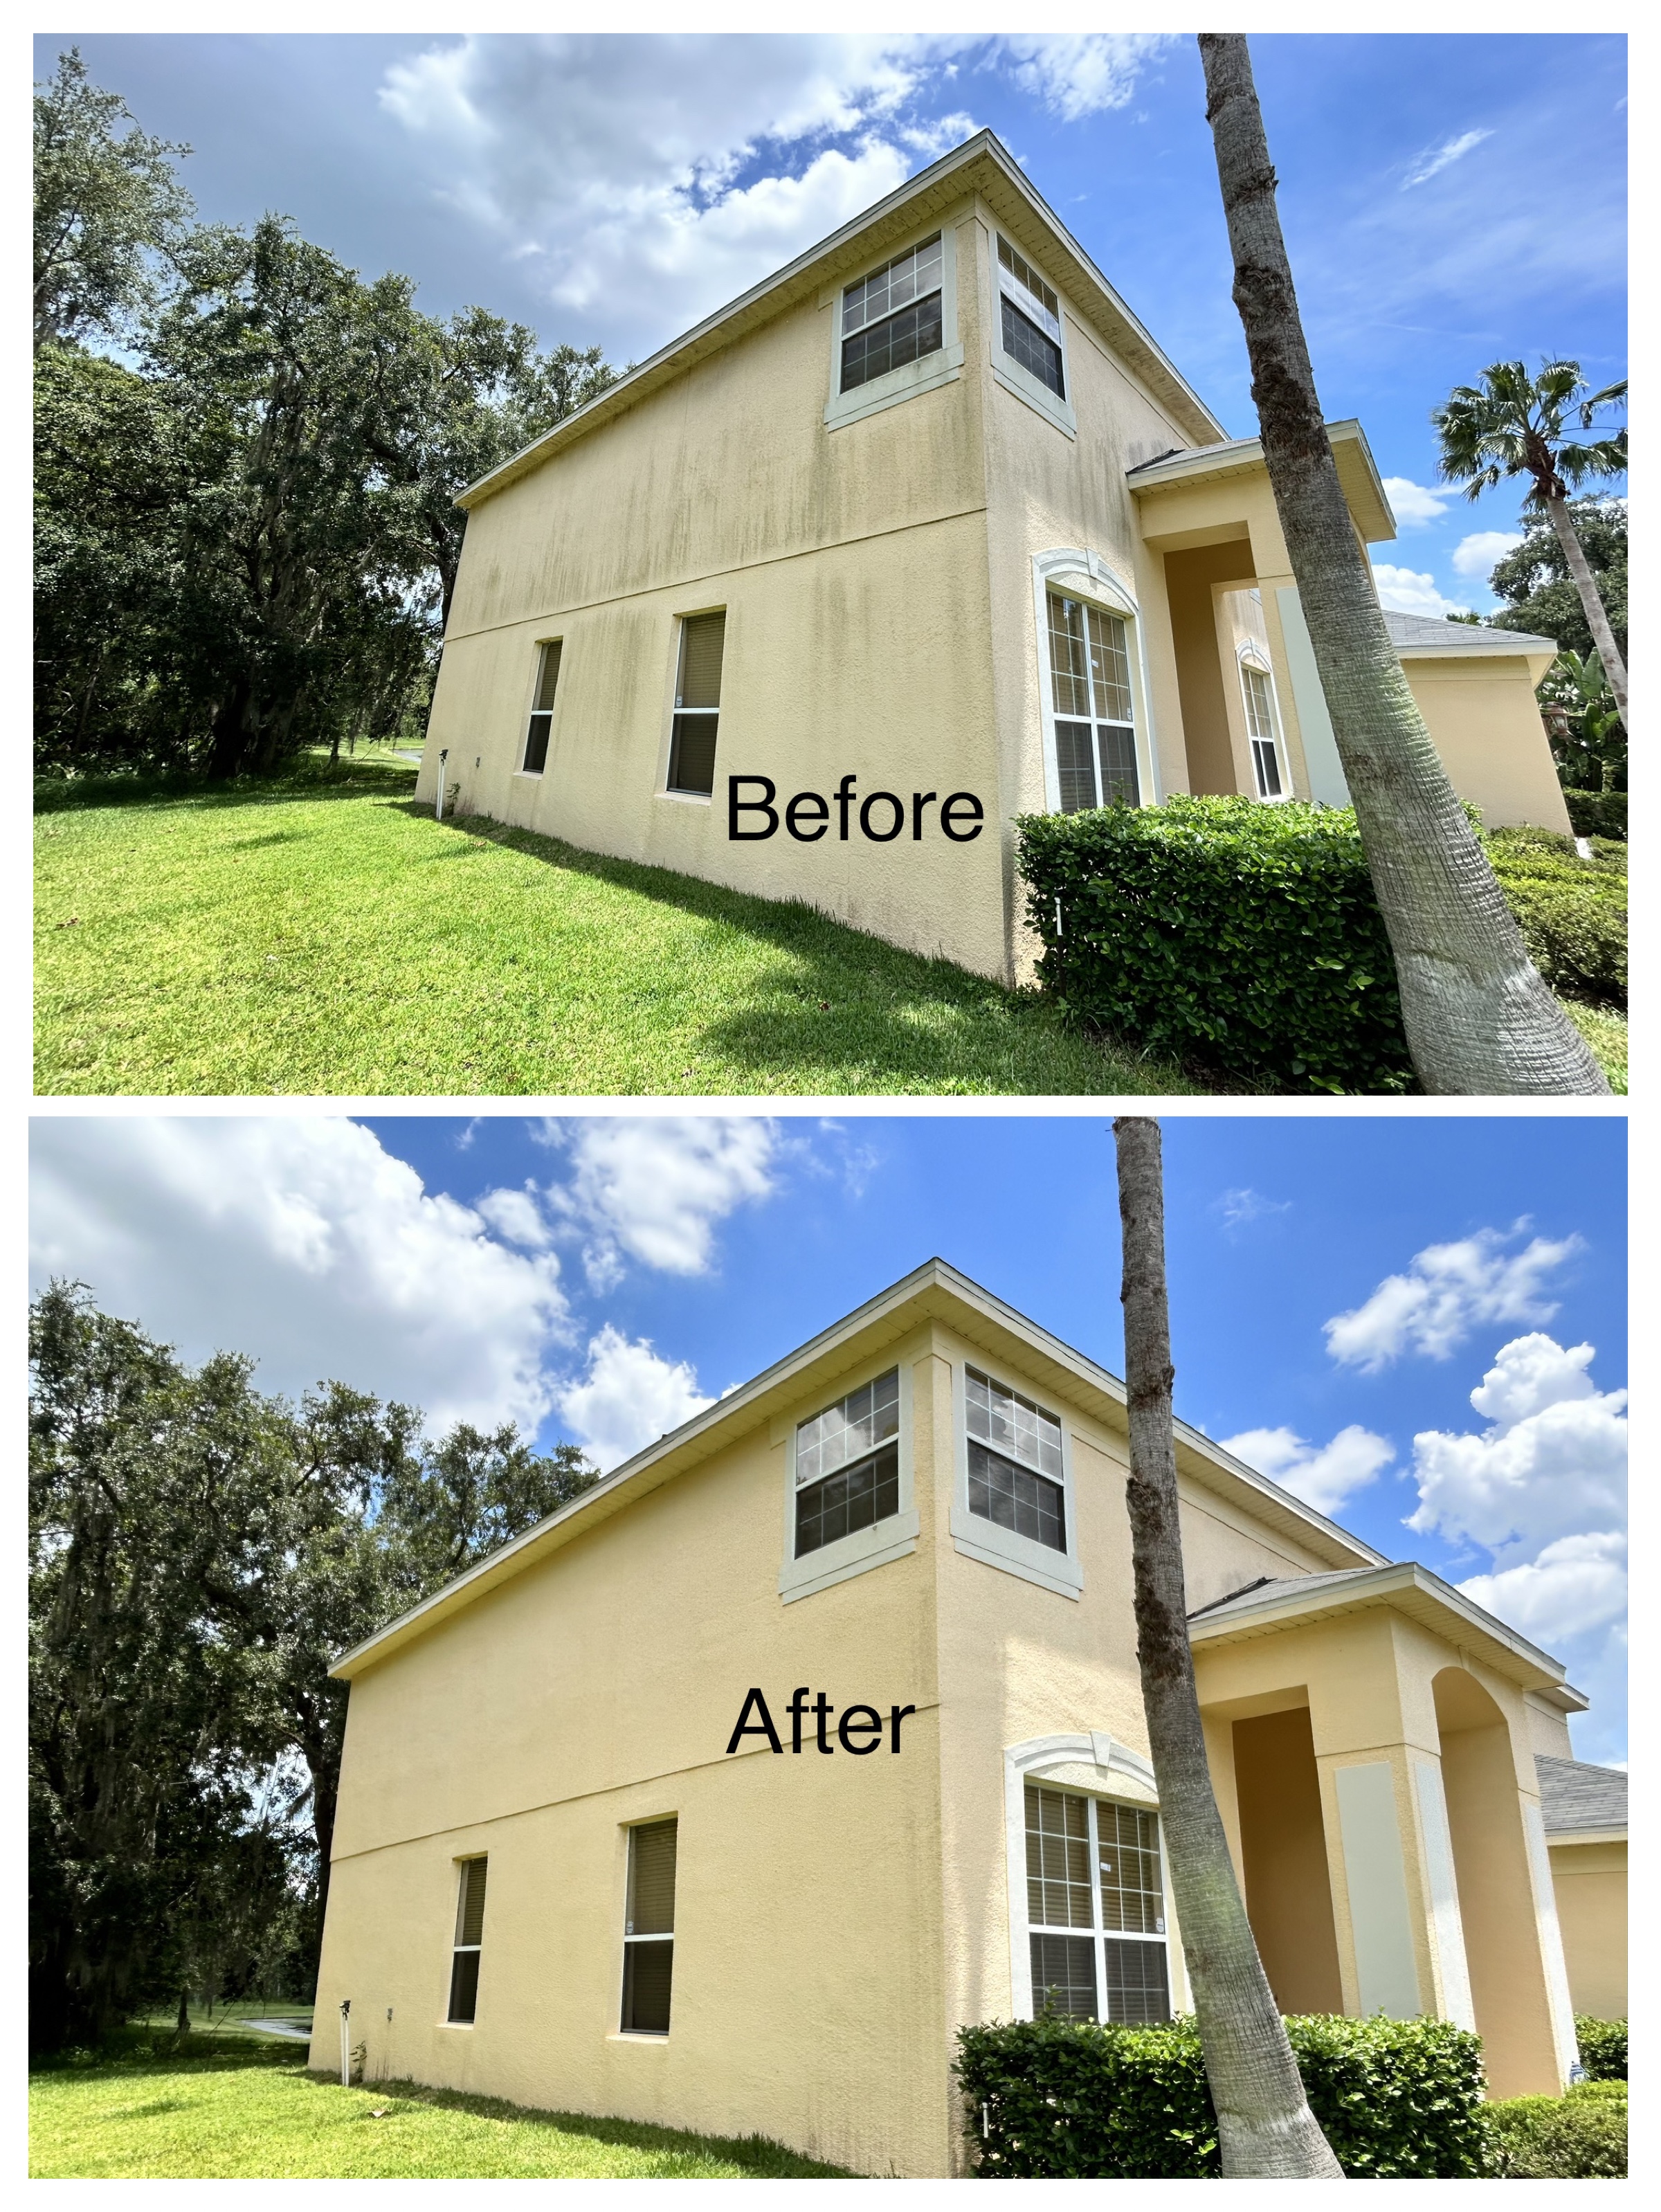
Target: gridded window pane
{"type": "Point", "coordinates": [1128, 1847]}
{"type": "Point", "coordinates": [647, 1974]}
{"type": "Point", "coordinates": [1109, 666]}
{"type": "Point", "coordinates": [848, 1429]}
{"type": "Point", "coordinates": [1069, 669]}
{"type": "Point", "coordinates": [1000, 1491]}
{"type": "Point", "coordinates": [702, 642]}
{"type": "Point", "coordinates": [1136, 1986]}
{"type": "Point", "coordinates": [1024, 273]}
{"type": "Point", "coordinates": [1057, 1858]}
{"type": "Point", "coordinates": [651, 1878]}
{"type": "Point", "coordinates": [1015, 1425]}
{"type": "Point", "coordinates": [1064, 1976]}
{"type": "Point", "coordinates": [1118, 750]}
{"type": "Point", "coordinates": [692, 754]}
{"type": "Point", "coordinates": [1023, 341]}
{"type": "Point", "coordinates": [908, 336]}
{"type": "Point", "coordinates": [908, 276]}
{"type": "Point", "coordinates": [1259, 725]}
{"type": "Point", "coordinates": [857, 1497]}
{"type": "Point", "coordinates": [1075, 767]}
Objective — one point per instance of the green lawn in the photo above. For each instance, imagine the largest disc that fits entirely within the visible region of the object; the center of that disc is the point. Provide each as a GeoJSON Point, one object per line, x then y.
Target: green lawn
{"type": "Point", "coordinates": [328, 937]}
{"type": "Point", "coordinates": [248, 2114]}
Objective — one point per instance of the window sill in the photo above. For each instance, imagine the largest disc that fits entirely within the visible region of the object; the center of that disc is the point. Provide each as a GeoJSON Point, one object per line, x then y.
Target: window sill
{"type": "Point", "coordinates": [1038, 397]}
{"type": "Point", "coordinates": [984, 1540]}
{"type": "Point", "coordinates": [690, 798]}
{"type": "Point", "coordinates": [895, 1538]}
{"type": "Point", "coordinates": [900, 384]}
{"type": "Point", "coordinates": [638, 2035]}
{"type": "Point", "coordinates": [530, 775]}
{"type": "Point", "coordinates": [467, 2026]}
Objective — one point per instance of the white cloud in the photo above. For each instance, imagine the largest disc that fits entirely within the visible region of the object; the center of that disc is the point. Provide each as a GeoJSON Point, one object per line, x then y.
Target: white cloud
{"type": "Point", "coordinates": [628, 1399]}
{"type": "Point", "coordinates": [655, 1188]}
{"type": "Point", "coordinates": [1431, 164]}
{"type": "Point", "coordinates": [1084, 73]}
{"type": "Point", "coordinates": [1238, 1207]}
{"type": "Point", "coordinates": [1447, 1291]}
{"type": "Point", "coordinates": [1413, 592]}
{"type": "Point", "coordinates": [1323, 1475]}
{"type": "Point", "coordinates": [1551, 1463]}
{"type": "Point", "coordinates": [301, 1242]}
{"type": "Point", "coordinates": [1412, 503]}
{"type": "Point", "coordinates": [516, 1216]}
{"type": "Point", "coordinates": [1476, 556]}
{"type": "Point", "coordinates": [1577, 1584]}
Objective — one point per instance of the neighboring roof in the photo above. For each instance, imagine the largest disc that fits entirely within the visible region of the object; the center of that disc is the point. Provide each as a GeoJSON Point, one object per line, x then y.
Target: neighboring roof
{"type": "Point", "coordinates": [1358, 472]}
{"type": "Point", "coordinates": [980, 165]}
{"type": "Point", "coordinates": [1264, 1608]}
{"type": "Point", "coordinates": [1416, 637]}
{"type": "Point", "coordinates": [936, 1291]}
{"type": "Point", "coordinates": [1584, 1803]}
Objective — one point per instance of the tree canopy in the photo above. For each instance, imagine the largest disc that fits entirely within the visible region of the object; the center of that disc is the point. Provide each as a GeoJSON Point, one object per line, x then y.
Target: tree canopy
{"type": "Point", "coordinates": [1533, 579]}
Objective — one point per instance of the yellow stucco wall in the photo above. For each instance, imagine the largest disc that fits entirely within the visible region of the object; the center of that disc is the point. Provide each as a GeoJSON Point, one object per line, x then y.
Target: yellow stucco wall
{"type": "Point", "coordinates": [1590, 1881]}
{"type": "Point", "coordinates": [1484, 721]}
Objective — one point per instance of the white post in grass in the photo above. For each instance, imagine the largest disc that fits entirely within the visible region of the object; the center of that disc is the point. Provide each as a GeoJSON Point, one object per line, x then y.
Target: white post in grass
{"type": "Point", "coordinates": [442, 757]}
{"type": "Point", "coordinates": [345, 2044]}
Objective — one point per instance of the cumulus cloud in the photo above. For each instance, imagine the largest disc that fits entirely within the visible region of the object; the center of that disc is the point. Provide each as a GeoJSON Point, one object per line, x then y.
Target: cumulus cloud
{"type": "Point", "coordinates": [1577, 1585]}
{"type": "Point", "coordinates": [1432, 163]}
{"type": "Point", "coordinates": [1323, 1475]}
{"type": "Point", "coordinates": [1476, 556]}
{"type": "Point", "coordinates": [1085, 73]}
{"type": "Point", "coordinates": [1413, 592]}
{"type": "Point", "coordinates": [301, 1242]}
{"type": "Point", "coordinates": [1551, 1463]}
{"type": "Point", "coordinates": [1238, 1207]}
{"type": "Point", "coordinates": [655, 1188]}
{"type": "Point", "coordinates": [1447, 1291]}
{"type": "Point", "coordinates": [1412, 503]}
{"type": "Point", "coordinates": [628, 1397]}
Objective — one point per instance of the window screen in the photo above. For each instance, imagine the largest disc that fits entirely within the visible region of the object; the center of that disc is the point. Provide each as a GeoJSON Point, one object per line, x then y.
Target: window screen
{"type": "Point", "coordinates": [1090, 693]}
{"type": "Point", "coordinates": [847, 1464]}
{"type": "Point", "coordinates": [697, 702]}
{"type": "Point", "coordinates": [648, 1930]}
{"type": "Point", "coordinates": [894, 315]}
{"type": "Point", "coordinates": [469, 1939]}
{"type": "Point", "coordinates": [1260, 728]}
{"type": "Point", "coordinates": [1095, 1907]}
{"type": "Point", "coordinates": [1064, 1976]}
{"type": "Point", "coordinates": [542, 713]}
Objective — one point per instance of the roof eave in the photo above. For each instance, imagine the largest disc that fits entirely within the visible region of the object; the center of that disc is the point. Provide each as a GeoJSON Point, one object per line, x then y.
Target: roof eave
{"type": "Point", "coordinates": [1364, 489]}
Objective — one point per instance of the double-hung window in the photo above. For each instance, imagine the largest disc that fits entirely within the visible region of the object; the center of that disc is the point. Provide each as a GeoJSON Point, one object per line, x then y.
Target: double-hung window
{"type": "Point", "coordinates": [1030, 320]}
{"type": "Point", "coordinates": [1095, 1908]}
{"type": "Point", "coordinates": [542, 713]}
{"type": "Point", "coordinates": [1261, 731]}
{"type": "Point", "coordinates": [469, 1941]}
{"type": "Point", "coordinates": [847, 1465]}
{"type": "Point", "coordinates": [894, 315]}
{"type": "Point", "coordinates": [697, 704]}
{"type": "Point", "coordinates": [1014, 1462]}
{"type": "Point", "coordinates": [1090, 696]}
{"type": "Point", "coordinates": [648, 1928]}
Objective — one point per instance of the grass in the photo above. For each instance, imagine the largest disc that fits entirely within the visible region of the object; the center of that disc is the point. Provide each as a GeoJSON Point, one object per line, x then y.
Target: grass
{"type": "Point", "coordinates": [324, 936]}
{"type": "Point", "coordinates": [208, 2111]}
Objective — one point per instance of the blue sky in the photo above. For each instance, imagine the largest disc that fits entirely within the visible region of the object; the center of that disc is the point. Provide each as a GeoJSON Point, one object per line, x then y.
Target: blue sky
{"type": "Point", "coordinates": [600, 1278]}
{"type": "Point", "coordinates": [1449, 199]}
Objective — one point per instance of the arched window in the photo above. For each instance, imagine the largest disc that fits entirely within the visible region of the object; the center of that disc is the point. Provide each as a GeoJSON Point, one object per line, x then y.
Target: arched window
{"type": "Point", "coordinates": [1269, 774]}
{"type": "Point", "coordinates": [1097, 746]}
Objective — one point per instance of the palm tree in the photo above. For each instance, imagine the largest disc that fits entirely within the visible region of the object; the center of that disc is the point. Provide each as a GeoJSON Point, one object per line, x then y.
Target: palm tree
{"type": "Point", "coordinates": [1512, 425]}
{"type": "Point", "coordinates": [1264, 2125]}
{"type": "Point", "coordinates": [1478, 1017]}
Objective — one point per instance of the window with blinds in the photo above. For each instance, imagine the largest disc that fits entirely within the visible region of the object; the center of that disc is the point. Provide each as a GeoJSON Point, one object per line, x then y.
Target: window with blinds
{"type": "Point", "coordinates": [542, 712]}
{"type": "Point", "coordinates": [1095, 1908]}
{"type": "Point", "coordinates": [1031, 320]}
{"type": "Point", "coordinates": [1015, 1461]}
{"type": "Point", "coordinates": [847, 1464]}
{"type": "Point", "coordinates": [894, 315]}
{"type": "Point", "coordinates": [648, 1928]}
{"type": "Point", "coordinates": [1260, 731]}
{"type": "Point", "coordinates": [1089, 695]}
{"type": "Point", "coordinates": [697, 704]}
{"type": "Point", "coordinates": [469, 1941]}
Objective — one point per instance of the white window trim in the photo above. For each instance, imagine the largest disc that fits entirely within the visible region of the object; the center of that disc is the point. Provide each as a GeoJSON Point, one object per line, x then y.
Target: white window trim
{"type": "Point", "coordinates": [893, 1539]}
{"type": "Point", "coordinates": [537, 775]}
{"type": "Point", "coordinates": [981, 1540]}
{"type": "Point", "coordinates": [679, 619]}
{"type": "Point", "coordinates": [1005, 369]}
{"type": "Point", "coordinates": [912, 377]}
{"type": "Point", "coordinates": [1081, 573]}
{"type": "Point", "coordinates": [461, 1866]}
{"type": "Point", "coordinates": [1123, 1776]}
{"type": "Point", "coordinates": [1250, 654]}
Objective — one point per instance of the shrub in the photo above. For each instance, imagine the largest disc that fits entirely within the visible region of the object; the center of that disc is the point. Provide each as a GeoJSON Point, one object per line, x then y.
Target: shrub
{"type": "Point", "coordinates": [1579, 2136]}
{"type": "Point", "coordinates": [1573, 912]}
{"type": "Point", "coordinates": [1243, 937]}
{"type": "Point", "coordinates": [1603, 2047]}
{"type": "Point", "coordinates": [1597, 813]}
{"type": "Point", "coordinates": [1069, 2099]}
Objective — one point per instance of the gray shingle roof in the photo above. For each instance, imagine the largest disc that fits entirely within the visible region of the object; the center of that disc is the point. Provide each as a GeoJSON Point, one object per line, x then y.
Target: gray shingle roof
{"type": "Point", "coordinates": [1259, 1592]}
{"type": "Point", "coordinates": [1418, 633]}
{"type": "Point", "coordinates": [1574, 1796]}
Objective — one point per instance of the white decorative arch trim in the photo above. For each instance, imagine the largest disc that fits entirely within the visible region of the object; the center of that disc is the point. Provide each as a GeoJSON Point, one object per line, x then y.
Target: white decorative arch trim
{"type": "Point", "coordinates": [1089, 576]}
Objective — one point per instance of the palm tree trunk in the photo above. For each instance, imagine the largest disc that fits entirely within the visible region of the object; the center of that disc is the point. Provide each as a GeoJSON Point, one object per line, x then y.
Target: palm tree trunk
{"type": "Point", "coordinates": [1478, 1016]}
{"type": "Point", "coordinates": [1597, 622]}
{"type": "Point", "coordinates": [1264, 2125]}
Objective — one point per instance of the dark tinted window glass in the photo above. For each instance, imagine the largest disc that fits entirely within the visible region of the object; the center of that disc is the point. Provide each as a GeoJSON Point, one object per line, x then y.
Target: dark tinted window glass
{"type": "Point", "coordinates": [1014, 1499]}
{"type": "Point", "coordinates": [1025, 343]}
{"type": "Point", "coordinates": [916, 330]}
{"type": "Point", "coordinates": [464, 1985]}
{"type": "Point", "coordinates": [1136, 1985]}
{"type": "Point", "coordinates": [1119, 786]}
{"type": "Point", "coordinates": [855, 1497]}
{"type": "Point", "coordinates": [647, 1971]}
{"type": "Point", "coordinates": [692, 753]}
{"type": "Point", "coordinates": [1073, 766]}
{"type": "Point", "coordinates": [1064, 1976]}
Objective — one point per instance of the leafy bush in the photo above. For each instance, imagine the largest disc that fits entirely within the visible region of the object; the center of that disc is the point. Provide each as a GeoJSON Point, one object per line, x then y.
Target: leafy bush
{"type": "Point", "coordinates": [1579, 2136]}
{"type": "Point", "coordinates": [1573, 912]}
{"type": "Point", "coordinates": [1603, 2047]}
{"type": "Point", "coordinates": [1221, 931]}
{"type": "Point", "coordinates": [1597, 813]}
{"type": "Point", "coordinates": [1069, 2099]}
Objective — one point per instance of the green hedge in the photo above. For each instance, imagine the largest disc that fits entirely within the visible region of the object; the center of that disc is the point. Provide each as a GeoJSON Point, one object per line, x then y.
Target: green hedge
{"type": "Point", "coordinates": [1240, 937]}
{"type": "Point", "coordinates": [1054, 2098]}
{"type": "Point", "coordinates": [1603, 2047]}
{"type": "Point", "coordinates": [1573, 912]}
{"type": "Point", "coordinates": [1597, 813]}
{"type": "Point", "coordinates": [1579, 2136]}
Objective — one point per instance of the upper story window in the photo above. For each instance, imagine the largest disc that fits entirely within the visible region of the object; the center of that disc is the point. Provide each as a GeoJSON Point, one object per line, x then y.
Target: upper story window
{"type": "Point", "coordinates": [1095, 1908]}
{"type": "Point", "coordinates": [847, 1465]}
{"type": "Point", "coordinates": [1014, 1462]}
{"type": "Point", "coordinates": [697, 704]}
{"type": "Point", "coordinates": [1031, 319]}
{"type": "Point", "coordinates": [542, 711]}
{"type": "Point", "coordinates": [1090, 701]}
{"type": "Point", "coordinates": [894, 315]}
{"type": "Point", "coordinates": [1260, 732]}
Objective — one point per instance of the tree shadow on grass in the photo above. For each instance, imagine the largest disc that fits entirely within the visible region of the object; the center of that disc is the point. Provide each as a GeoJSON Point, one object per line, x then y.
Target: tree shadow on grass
{"type": "Point", "coordinates": [917, 1023]}
{"type": "Point", "coordinates": [307, 779]}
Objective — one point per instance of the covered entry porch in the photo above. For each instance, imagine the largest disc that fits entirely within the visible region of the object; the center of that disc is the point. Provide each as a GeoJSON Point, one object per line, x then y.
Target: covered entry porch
{"type": "Point", "coordinates": [1373, 1748]}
